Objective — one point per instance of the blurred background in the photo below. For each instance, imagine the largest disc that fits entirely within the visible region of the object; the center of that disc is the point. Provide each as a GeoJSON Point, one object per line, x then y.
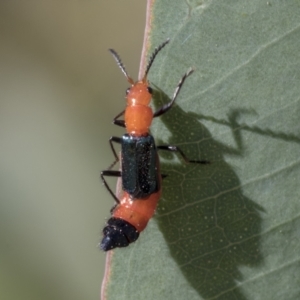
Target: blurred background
{"type": "Point", "coordinates": [59, 91]}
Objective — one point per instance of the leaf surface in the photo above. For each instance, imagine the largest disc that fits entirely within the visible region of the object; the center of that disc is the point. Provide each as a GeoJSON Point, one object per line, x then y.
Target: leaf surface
{"type": "Point", "coordinates": [230, 229]}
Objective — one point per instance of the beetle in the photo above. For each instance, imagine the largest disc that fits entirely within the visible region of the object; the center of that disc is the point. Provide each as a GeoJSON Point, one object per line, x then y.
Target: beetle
{"type": "Point", "coordinates": [140, 172]}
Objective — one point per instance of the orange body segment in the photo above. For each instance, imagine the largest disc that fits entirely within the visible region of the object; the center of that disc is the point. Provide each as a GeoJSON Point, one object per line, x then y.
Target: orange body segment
{"type": "Point", "coordinates": [139, 94]}
{"type": "Point", "coordinates": [138, 119]}
{"type": "Point", "coordinates": [137, 212]}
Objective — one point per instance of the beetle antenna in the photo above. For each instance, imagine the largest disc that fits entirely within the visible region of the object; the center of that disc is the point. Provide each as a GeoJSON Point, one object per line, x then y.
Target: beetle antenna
{"type": "Point", "coordinates": [120, 65]}
{"type": "Point", "coordinates": [152, 57]}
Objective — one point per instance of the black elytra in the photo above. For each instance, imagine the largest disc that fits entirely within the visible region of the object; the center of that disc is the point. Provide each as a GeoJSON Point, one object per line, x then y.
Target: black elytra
{"type": "Point", "coordinates": [140, 172]}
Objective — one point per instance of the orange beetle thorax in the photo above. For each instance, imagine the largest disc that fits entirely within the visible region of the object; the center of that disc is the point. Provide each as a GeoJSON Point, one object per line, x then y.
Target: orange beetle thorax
{"type": "Point", "coordinates": [138, 114]}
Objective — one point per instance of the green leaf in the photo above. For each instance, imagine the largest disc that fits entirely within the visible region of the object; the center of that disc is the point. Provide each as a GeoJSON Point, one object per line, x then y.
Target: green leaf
{"type": "Point", "coordinates": [228, 230]}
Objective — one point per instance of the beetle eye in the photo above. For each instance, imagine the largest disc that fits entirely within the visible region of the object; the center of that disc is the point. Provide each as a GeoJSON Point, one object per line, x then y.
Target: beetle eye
{"type": "Point", "coordinates": [127, 91]}
{"type": "Point", "coordinates": [150, 90]}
